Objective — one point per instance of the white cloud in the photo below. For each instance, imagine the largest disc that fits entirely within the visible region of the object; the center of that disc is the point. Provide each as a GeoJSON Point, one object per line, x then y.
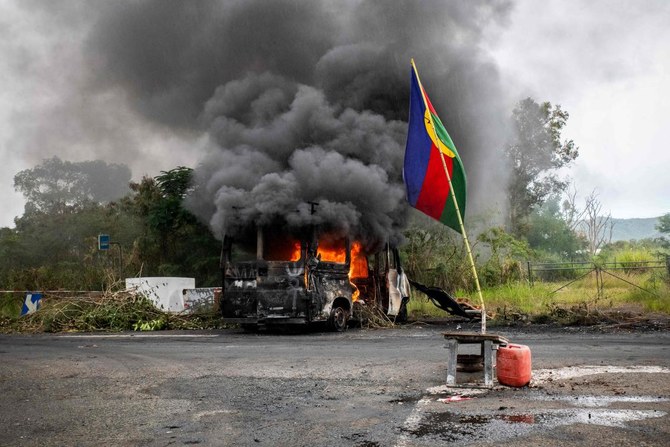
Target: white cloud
{"type": "Point", "coordinates": [607, 64]}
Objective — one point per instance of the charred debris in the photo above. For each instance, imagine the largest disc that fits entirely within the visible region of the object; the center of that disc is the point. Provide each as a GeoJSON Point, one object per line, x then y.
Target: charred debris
{"type": "Point", "coordinates": [275, 276]}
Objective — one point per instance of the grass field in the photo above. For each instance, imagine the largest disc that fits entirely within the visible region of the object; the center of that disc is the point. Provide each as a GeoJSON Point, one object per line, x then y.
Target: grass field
{"type": "Point", "coordinates": [646, 292]}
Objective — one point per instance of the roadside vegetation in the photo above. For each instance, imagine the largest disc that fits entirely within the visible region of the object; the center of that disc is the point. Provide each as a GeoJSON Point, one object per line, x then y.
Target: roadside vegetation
{"type": "Point", "coordinates": [625, 280]}
{"type": "Point", "coordinates": [552, 257]}
{"type": "Point", "coordinates": [106, 311]}
{"type": "Point", "coordinates": [54, 245]}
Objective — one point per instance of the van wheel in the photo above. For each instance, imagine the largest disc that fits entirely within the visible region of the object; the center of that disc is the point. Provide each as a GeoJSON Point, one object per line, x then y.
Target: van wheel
{"type": "Point", "coordinates": [338, 319]}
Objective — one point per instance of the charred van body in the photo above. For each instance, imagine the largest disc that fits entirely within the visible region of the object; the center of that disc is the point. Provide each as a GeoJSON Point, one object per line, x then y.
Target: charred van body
{"type": "Point", "coordinates": [272, 277]}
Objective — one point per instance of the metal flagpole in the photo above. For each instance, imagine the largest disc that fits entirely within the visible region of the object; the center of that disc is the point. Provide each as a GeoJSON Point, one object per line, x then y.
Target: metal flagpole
{"type": "Point", "coordinates": [458, 211]}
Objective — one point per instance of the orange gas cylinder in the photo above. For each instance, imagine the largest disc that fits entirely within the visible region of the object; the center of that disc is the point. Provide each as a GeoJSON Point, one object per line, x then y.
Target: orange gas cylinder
{"type": "Point", "coordinates": [513, 365]}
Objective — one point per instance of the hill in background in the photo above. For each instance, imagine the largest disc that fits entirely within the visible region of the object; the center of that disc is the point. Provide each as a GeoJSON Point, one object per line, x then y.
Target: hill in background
{"type": "Point", "coordinates": [642, 228]}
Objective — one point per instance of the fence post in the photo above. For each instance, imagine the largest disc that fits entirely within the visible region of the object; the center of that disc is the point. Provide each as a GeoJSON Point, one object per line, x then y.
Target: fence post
{"type": "Point", "coordinates": [530, 272]}
{"type": "Point", "coordinates": [599, 282]}
{"type": "Point", "coordinates": [667, 263]}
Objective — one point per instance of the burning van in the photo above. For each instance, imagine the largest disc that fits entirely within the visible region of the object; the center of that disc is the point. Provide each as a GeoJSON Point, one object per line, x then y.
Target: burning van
{"type": "Point", "coordinates": [272, 276]}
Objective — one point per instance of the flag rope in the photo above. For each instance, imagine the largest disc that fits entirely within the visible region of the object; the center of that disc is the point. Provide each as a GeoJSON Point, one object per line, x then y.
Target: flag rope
{"type": "Point", "coordinates": [458, 211]}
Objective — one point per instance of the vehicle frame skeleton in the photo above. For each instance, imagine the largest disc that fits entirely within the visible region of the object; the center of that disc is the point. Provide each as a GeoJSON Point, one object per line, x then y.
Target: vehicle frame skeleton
{"type": "Point", "coordinates": [296, 279]}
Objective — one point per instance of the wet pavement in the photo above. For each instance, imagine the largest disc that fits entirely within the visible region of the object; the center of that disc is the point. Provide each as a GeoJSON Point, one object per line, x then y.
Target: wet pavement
{"type": "Point", "coordinates": [362, 388]}
{"type": "Point", "coordinates": [502, 416]}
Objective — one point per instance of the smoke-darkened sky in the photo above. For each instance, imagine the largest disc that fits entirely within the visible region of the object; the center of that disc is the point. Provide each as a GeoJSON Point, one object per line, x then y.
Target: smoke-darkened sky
{"type": "Point", "coordinates": [295, 90]}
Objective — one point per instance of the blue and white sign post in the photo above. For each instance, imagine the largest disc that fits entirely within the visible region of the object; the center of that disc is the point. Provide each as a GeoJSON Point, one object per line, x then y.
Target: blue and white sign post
{"type": "Point", "coordinates": [31, 303]}
{"type": "Point", "coordinates": [104, 244]}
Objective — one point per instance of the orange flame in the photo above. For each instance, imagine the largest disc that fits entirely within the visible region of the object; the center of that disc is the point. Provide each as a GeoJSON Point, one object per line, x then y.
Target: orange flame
{"type": "Point", "coordinates": [278, 249]}
{"type": "Point", "coordinates": [295, 256]}
{"type": "Point", "coordinates": [355, 294]}
{"type": "Point", "coordinates": [359, 262]}
{"type": "Point", "coordinates": [332, 251]}
{"type": "Point", "coordinates": [358, 268]}
{"type": "Point", "coordinates": [335, 251]}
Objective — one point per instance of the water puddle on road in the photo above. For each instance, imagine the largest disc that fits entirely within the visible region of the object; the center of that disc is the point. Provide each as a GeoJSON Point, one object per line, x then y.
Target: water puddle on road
{"type": "Point", "coordinates": [469, 427]}
{"type": "Point", "coordinates": [464, 427]}
{"type": "Point", "coordinates": [599, 401]}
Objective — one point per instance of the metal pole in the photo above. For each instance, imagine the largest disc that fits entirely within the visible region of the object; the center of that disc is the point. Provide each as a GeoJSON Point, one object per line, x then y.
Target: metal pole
{"type": "Point", "coordinates": [599, 282]}
{"type": "Point", "coordinates": [259, 242]}
{"type": "Point", "coordinates": [120, 257]}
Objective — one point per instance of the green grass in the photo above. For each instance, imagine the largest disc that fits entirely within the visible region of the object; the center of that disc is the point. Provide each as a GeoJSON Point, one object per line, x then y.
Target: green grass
{"type": "Point", "coordinates": [544, 301]}
{"type": "Point", "coordinates": [634, 257]}
{"type": "Point", "coordinates": [420, 307]}
{"type": "Point", "coordinates": [509, 298]}
{"type": "Point", "coordinates": [10, 305]}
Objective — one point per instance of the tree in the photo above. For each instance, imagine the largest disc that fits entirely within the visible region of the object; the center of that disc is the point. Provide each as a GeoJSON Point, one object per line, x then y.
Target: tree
{"type": "Point", "coordinates": [173, 241]}
{"type": "Point", "coordinates": [54, 244]}
{"type": "Point", "coordinates": [166, 216]}
{"type": "Point", "coordinates": [550, 232]}
{"type": "Point", "coordinates": [59, 251]}
{"type": "Point", "coordinates": [597, 227]}
{"type": "Point", "coordinates": [56, 186]}
{"type": "Point", "coordinates": [590, 223]}
{"type": "Point", "coordinates": [503, 265]}
{"type": "Point", "coordinates": [663, 224]}
{"type": "Point", "coordinates": [571, 214]}
{"type": "Point", "coordinates": [434, 257]}
{"type": "Point", "coordinates": [534, 156]}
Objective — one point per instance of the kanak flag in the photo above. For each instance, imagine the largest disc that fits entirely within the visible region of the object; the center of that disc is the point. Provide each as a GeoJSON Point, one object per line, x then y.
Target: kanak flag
{"type": "Point", "coordinates": [428, 147]}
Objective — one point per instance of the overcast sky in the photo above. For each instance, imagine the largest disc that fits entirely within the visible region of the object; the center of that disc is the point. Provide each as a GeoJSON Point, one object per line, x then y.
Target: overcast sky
{"type": "Point", "coordinates": [606, 62]}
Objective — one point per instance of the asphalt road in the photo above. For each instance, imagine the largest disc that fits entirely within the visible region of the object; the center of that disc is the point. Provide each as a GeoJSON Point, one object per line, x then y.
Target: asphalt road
{"type": "Point", "coordinates": [360, 388]}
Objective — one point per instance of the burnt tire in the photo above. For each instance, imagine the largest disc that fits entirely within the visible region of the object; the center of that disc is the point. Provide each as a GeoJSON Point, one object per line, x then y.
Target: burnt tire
{"type": "Point", "coordinates": [338, 320]}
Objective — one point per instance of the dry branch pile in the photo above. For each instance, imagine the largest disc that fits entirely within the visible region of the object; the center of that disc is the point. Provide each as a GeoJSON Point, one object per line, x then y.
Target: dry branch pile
{"type": "Point", "coordinates": [107, 311]}
{"type": "Point", "coordinates": [372, 317]}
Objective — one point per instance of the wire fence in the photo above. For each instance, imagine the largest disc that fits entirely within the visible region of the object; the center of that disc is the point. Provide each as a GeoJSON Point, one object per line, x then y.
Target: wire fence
{"type": "Point", "coordinates": [553, 271]}
{"type": "Point", "coordinates": [574, 271]}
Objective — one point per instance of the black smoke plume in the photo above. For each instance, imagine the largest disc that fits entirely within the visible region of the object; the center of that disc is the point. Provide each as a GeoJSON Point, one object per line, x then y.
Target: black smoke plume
{"type": "Point", "coordinates": [306, 101]}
